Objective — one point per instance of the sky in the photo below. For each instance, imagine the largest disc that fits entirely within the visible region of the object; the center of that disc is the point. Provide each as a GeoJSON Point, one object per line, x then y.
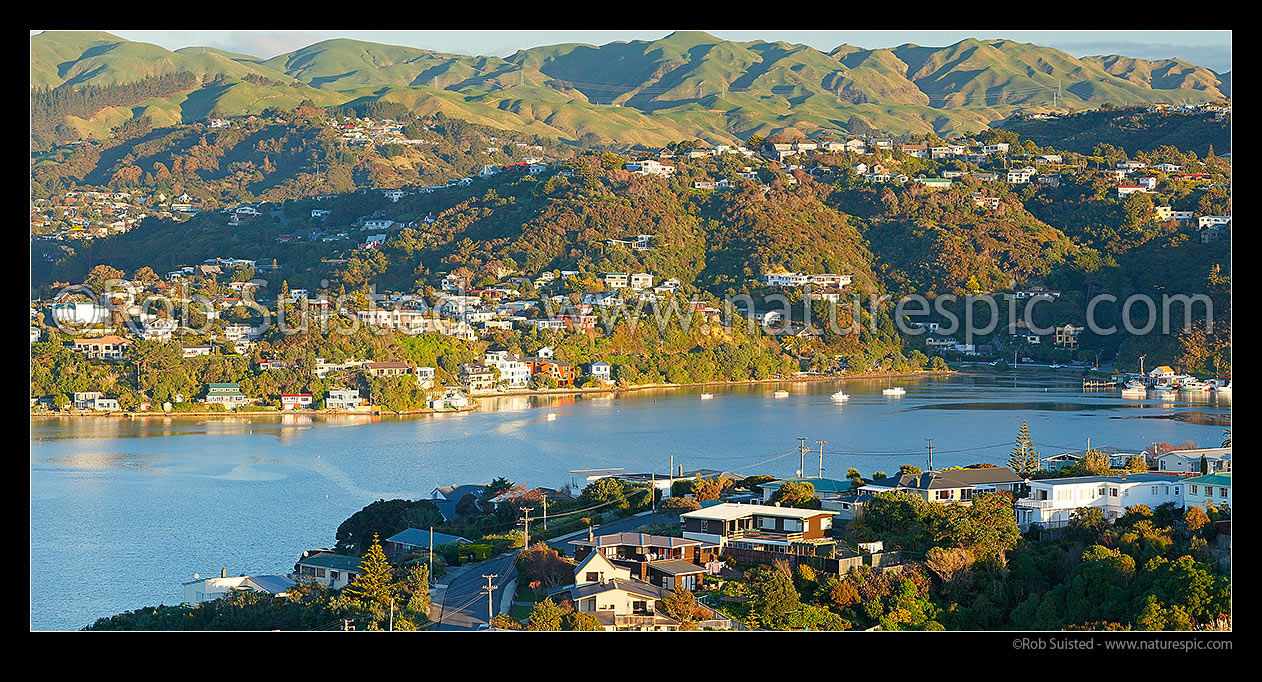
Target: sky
{"type": "Point", "coordinates": [1211, 49]}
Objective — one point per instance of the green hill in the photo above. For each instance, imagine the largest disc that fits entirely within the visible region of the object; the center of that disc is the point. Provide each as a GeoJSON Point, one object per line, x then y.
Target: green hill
{"type": "Point", "coordinates": [685, 85]}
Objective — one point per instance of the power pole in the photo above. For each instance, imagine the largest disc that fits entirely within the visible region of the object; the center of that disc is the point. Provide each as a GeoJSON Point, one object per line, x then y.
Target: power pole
{"type": "Point", "coordinates": [431, 550]}
{"type": "Point", "coordinates": [527, 510]}
{"type": "Point", "coordinates": [802, 452]}
{"type": "Point", "coordinates": [652, 494]}
{"type": "Point", "coordinates": [490, 600]}
{"type": "Point", "coordinates": [391, 628]}
{"type": "Point", "coordinates": [821, 456]}
{"type": "Point", "coordinates": [545, 511]}
{"type": "Point", "coordinates": [930, 453]}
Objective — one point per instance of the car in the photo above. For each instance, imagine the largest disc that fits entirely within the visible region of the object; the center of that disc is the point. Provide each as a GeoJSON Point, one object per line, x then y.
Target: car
{"type": "Point", "coordinates": [1055, 366]}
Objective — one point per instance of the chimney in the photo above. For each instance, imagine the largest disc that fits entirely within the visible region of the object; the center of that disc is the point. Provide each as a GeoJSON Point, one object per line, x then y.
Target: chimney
{"type": "Point", "coordinates": [223, 573]}
{"type": "Point", "coordinates": [591, 534]}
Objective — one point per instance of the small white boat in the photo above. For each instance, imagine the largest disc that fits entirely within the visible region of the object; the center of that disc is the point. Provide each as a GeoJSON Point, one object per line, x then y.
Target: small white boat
{"type": "Point", "coordinates": [894, 390]}
{"type": "Point", "coordinates": [1223, 389]}
{"type": "Point", "coordinates": [840, 396]}
{"type": "Point", "coordinates": [1163, 389]}
{"type": "Point", "coordinates": [552, 416]}
{"type": "Point", "coordinates": [1134, 389]}
{"type": "Point", "coordinates": [707, 396]}
{"type": "Point", "coordinates": [1194, 387]}
{"type": "Point", "coordinates": [781, 394]}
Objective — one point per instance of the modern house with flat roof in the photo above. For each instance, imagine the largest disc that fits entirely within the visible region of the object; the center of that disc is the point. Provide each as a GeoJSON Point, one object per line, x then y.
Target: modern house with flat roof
{"type": "Point", "coordinates": [1188, 462]}
{"type": "Point", "coordinates": [1052, 502]}
{"type": "Point", "coordinates": [759, 526]}
{"type": "Point", "coordinates": [665, 561]}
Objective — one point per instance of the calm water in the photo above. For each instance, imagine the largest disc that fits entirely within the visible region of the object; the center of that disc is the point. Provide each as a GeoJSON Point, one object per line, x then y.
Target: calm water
{"type": "Point", "coordinates": [123, 511]}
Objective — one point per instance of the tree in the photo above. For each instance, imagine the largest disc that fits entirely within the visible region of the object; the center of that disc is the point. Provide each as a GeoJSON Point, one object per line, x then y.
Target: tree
{"type": "Point", "coordinates": [1195, 518]}
{"type": "Point", "coordinates": [374, 583]}
{"type": "Point", "coordinates": [794, 494]}
{"type": "Point", "coordinates": [1136, 464]}
{"type": "Point", "coordinates": [581, 621]}
{"type": "Point", "coordinates": [1094, 463]}
{"type": "Point", "coordinates": [1024, 460]}
{"type": "Point", "coordinates": [546, 616]}
{"type": "Point", "coordinates": [682, 606]}
{"type": "Point", "coordinates": [774, 596]}
{"type": "Point", "coordinates": [418, 582]}
{"type": "Point", "coordinates": [910, 470]}
{"type": "Point", "coordinates": [100, 276]}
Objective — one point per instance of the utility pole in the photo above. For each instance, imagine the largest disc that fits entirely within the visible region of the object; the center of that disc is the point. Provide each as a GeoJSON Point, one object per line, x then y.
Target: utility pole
{"type": "Point", "coordinates": [802, 452]}
{"type": "Point", "coordinates": [930, 453]}
{"type": "Point", "coordinates": [1141, 362]}
{"type": "Point", "coordinates": [391, 629]}
{"type": "Point", "coordinates": [821, 456]}
{"type": "Point", "coordinates": [527, 510]}
{"type": "Point", "coordinates": [652, 494]}
{"type": "Point", "coordinates": [490, 600]}
{"type": "Point", "coordinates": [431, 550]}
{"type": "Point", "coordinates": [545, 511]}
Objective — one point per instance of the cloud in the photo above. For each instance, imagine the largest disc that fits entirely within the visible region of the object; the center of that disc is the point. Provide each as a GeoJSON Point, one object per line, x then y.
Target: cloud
{"type": "Point", "coordinates": [267, 45]}
{"type": "Point", "coordinates": [1216, 57]}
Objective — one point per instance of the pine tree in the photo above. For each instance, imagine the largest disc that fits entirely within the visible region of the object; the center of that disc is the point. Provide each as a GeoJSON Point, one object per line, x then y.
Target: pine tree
{"type": "Point", "coordinates": [374, 581]}
{"type": "Point", "coordinates": [1024, 460]}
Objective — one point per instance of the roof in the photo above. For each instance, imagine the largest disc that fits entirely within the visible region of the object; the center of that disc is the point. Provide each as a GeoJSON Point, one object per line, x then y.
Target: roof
{"type": "Point", "coordinates": [953, 478]}
{"type": "Point", "coordinates": [728, 511]}
{"type": "Point", "coordinates": [676, 567]}
{"type": "Point", "coordinates": [420, 538]}
{"type": "Point", "coordinates": [984, 475]}
{"type": "Point", "coordinates": [1131, 478]}
{"type": "Point", "coordinates": [821, 485]}
{"type": "Point", "coordinates": [1208, 453]}
{"type": "Point", "coordinates": [635, 540]}
{"type": "Point", "coordinates": [1222, 478]}
{"type": "Point", "coordinates": [340, 562]}
{"type": "Point", "coordinates": [272, 584]}
{"type": "Point", "coordinates": [632, 586]}
{"type": "Point", "coordinates": [112, 339]}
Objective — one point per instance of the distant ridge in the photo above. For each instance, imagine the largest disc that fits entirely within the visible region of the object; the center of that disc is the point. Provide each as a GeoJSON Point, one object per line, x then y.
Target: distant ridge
{"type": "Point", "coordinates": [687, 84]}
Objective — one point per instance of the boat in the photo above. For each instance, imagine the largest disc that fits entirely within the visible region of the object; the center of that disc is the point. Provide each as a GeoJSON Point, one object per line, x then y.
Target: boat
{"type": "Point", "coordinates": [781, 394]}
{"type": "Point", "coordinates": [1163, 390]}
{"type": "Point", "coordinates": [707, 396]}
{"type": "Point", "coordinates": [893, 390]}
{"type": "Point", "coordinates": [1194, 386]}
{"type": "Point", "coordinates": [1223, 389]}
{"type": "Point", "coordinates": [552, 416]}
{"type": "Point", "coordinates": [839, 396]}
{"type": "Point", "coordinates": [1134, 389]}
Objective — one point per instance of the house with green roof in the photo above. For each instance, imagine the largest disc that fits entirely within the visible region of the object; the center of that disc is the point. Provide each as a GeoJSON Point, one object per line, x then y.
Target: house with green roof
{"type": "Point", "coordinates": [229, 395]}
{"type": "Point", "coordinates": [1208, 490]}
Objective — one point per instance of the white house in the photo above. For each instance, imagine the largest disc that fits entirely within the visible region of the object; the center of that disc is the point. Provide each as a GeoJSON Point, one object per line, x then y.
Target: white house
{"type": "Point", "coordinates": [1209, 490]}
{"type": "Point", "coordinates": [513, 372]}
{"type": "Point", "coordinates": [201, 589]}
{"type": "Point", "coordinates": [1052, 502]}
{"type": "Point", "coordinates": [1189, 461]}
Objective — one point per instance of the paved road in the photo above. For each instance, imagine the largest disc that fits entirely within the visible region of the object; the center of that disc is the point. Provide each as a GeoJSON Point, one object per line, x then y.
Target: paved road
{"type": "Point", "coordinates": [626, 525]}
{"type": "Point", "coordinates": [464, 604]}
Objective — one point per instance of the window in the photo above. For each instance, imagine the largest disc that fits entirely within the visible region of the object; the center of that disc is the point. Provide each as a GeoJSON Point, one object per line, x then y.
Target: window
{"type": "Point", "coordinates": [1112, 492]}
{"type": "Point", "coordinates": [1222, 492]}
{"type": "Point", "coordinates": [333, 575]}
{"type": "Point", "coordinates": [1154, 490]}
{"type": "Point", "coordinates": [942, 495]}
{"type": "Point", "coordinates": [319, 572]}
{"type": "Point", "coordinates": [593, 577]}
{"type": "Point", "coordinates": [766, 523]}
{"type": "Point", "coordinates": [1194, 490]}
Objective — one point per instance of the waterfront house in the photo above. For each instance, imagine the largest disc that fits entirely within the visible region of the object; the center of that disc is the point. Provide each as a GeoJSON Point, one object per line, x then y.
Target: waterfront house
{"type": "Point", "coordinates": [446, 497]}
{"type": "Point", "coordinates": [334, 571]}
{"type": "Point", "coordinates": [601, 370]}
{"type": "Point", "coordinates": [477, 377]}
{"type": "Point", "coordinates": [201, 589]}
{"type": "Point", "coordinates": [294, 401]}
{"type": "Point", "coordinates": [227, 394]}
{"type": "Point", "coordinates": [344, 399]}
{"type": "Point", "coordinates": [757, 526]}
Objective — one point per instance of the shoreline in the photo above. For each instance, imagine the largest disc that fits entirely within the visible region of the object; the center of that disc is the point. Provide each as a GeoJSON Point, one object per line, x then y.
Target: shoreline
{"type": "Point", "coordinates": [517, 392]}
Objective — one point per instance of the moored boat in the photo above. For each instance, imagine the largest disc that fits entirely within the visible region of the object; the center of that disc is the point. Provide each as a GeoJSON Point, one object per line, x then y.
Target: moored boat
{"type": "Point", "coordinates": [839, 396]}
{"type": "Point", "coordinates": [707, 396]}
{"type": "Point", "coordinates": [781, 394]}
